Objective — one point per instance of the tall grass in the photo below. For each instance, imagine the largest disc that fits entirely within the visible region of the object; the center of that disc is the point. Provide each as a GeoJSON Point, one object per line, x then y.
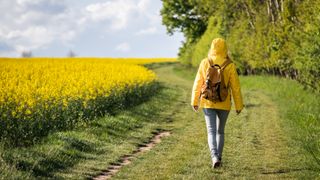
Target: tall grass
{"type": "Point", "coordinates": [300, 109]}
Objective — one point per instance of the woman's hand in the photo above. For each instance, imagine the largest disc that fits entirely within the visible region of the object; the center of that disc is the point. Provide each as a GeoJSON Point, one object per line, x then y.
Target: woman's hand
{"type": "Point", "coordinates": [195, 108]}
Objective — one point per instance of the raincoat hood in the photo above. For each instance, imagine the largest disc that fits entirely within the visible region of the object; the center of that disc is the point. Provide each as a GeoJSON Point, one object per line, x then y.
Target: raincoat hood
{"type": "Point", "coordinates": [218, 51]}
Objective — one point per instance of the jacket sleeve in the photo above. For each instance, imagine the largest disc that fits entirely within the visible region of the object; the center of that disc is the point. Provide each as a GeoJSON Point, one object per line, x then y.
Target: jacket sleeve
{"type": "Point", "coordinates": [196, 90]}
{"type": "Point", "coordinates": [235, 87]}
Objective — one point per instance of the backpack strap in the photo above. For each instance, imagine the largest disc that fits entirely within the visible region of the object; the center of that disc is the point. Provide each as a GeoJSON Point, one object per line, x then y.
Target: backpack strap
{"type": "Point", "coordinates": [225, 64]}
{"type": "Point", "coordinates": [210, 62]}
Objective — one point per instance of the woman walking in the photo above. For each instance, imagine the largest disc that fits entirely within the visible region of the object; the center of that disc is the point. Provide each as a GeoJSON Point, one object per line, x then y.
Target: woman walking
{"type": "Point", "coordinates": [216, 112]}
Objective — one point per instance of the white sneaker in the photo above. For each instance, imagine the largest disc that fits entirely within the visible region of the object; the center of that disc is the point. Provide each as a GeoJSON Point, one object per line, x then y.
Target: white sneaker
{"type": "Point", "coordinates": [216, 162]}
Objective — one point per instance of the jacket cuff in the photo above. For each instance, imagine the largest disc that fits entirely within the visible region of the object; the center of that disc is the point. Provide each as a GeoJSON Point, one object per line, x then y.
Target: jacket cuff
{"type": "Point", "coordinates": [195, 102]}
{"type": "Point", "coordinates": [239, 107]}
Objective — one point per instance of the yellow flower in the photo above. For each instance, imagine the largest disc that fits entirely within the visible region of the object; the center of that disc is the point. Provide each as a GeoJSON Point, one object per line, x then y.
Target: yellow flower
{"type": "Point", "coordinates": [13, 113]}
{"type": "Point", "coordinates": [47, 81]}
{"type": "Point", "coordinates": [28, 111]}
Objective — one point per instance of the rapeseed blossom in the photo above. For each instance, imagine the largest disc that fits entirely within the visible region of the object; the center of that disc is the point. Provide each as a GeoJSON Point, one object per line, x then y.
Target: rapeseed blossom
{"type": "Point", "coordinates": [25, 83]}
{"type": "Point", "coordinates": [42, 95]}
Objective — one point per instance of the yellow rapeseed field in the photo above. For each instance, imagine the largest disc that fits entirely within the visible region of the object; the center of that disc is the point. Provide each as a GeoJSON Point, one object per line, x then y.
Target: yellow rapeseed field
{"type": "Point", "coordinates": [30, 86]}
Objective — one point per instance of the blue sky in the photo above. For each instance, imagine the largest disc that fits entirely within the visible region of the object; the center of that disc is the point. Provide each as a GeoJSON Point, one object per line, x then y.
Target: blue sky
{"type": "Point", "coordinates": [96, 28]}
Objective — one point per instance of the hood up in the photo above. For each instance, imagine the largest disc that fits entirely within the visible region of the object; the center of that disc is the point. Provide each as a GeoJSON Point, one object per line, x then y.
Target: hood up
{"type": "Point", "coordinates": [218, 51]}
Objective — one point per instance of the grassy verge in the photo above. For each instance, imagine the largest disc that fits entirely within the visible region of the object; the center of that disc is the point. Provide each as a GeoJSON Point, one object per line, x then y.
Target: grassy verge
{"type": "Point", "coordinates": [298, 108]}
{"type": "Point", "coordinates": [88, 149]}
{"type": "Point", "coordinates": [260, 143]}
{"type": "Point", "coordinates": [264, 141]}
{"type": "Point", "coordinates": [45, 95]}
{"type": "Point", "coordinates": [28, 130]}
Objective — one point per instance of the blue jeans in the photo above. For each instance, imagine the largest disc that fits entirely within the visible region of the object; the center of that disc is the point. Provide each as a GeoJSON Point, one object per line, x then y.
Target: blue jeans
{"type": "Point", "coordinates": [215, 120]}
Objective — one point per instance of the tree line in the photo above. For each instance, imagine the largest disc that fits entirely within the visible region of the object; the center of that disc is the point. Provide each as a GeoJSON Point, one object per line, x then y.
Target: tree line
{"type": "Point", "coordinates": [280, 37]}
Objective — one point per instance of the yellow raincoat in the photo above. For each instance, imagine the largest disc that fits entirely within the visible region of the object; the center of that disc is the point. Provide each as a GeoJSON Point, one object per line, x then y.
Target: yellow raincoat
{"type": "Point", "coordinates": [218, 54]}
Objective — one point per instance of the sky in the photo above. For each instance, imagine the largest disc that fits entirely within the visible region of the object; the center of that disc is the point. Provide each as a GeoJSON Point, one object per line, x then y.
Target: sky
{"type": "Point", "coordinates": [95, 28]}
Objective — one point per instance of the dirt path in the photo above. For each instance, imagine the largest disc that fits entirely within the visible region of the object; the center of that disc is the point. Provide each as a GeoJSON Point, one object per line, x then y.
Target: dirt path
{"type": "Point", "coordinates": [255, 147]}
{"type": "Point", "coordinates": [127, 159]}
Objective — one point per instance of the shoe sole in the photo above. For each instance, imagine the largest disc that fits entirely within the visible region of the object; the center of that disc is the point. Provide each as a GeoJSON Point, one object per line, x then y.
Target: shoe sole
{"type": "Point", "coordinates": [216, 165]}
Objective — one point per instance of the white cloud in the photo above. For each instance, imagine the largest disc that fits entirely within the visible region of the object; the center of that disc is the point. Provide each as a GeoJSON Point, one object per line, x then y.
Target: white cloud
{"type": "Point", "coordinates": [143, 5]}
{"type": "Point", "coordinates": [147, 31]}
{"type": "Point", "coordinates": [23, 2]}
{"type": "Point", "coordinates": [40, 36]}
{"type": "Point", "coordinates": [119, 12]}
{"type": "Point", "coordinates": [116, 12]}
{"type": "Point", "coordinates": [36, 24]}
{"type": "Point", "coordinates": [123, 47]}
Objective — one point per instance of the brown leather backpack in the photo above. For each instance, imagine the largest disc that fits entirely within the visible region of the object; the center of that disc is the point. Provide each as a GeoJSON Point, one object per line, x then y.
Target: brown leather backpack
{"type": "Point", "coordinates": [214, 88]}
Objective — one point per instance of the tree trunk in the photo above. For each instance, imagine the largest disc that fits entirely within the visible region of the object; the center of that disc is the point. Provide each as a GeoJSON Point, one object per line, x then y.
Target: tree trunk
{"type": "Point", "coordinates": [249, 14]}
{"type": "Point", "coordinates": [271, 11]}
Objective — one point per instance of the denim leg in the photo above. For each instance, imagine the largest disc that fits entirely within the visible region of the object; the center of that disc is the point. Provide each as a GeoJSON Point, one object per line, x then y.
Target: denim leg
{"type": "Point", "coordinates": [210, 117]}
{"type": "Point", "coordinates": [221, 122]}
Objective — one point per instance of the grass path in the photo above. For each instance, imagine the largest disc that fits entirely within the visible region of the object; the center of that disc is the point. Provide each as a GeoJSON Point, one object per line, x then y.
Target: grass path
{"type": "Point", "coordinates": [259, 142]}
{"type": "Point", "coordinates": [256, 144]}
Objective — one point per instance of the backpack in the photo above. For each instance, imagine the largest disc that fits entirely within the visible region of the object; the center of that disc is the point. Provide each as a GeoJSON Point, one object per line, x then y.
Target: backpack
{"type": "Point", "coordinates": [214, 88]}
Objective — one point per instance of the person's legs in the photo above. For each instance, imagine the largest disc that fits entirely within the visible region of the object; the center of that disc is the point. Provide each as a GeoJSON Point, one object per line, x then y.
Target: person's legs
{"type": "Point", "coordinates": [210, 117]}
{"type": "Point", "coordinates": [221, 122]}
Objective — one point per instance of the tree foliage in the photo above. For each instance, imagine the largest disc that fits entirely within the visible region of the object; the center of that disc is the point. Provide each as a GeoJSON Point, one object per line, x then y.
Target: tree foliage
{"type": "Point", "coordinates": [187, 16]}
{"type": "Point", "coordinates": [280, 37]}
{"type": "Point", "coordinates": [71, 54]}
{"type": "Point", "coordinates": [26, 54]}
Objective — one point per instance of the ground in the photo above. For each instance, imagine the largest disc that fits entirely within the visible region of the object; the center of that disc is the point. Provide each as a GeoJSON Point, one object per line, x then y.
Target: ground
{"type": "Point", "coordinates": [256, 144]}
{"type": "Point", "coordinates": [260, 143]}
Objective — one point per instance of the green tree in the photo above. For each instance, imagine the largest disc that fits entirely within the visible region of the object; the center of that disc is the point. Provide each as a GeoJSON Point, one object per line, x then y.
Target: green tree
{"type": "Point", "coordinates": [187, 16]}
{"type": "Point", "coordinates": [273, 36]}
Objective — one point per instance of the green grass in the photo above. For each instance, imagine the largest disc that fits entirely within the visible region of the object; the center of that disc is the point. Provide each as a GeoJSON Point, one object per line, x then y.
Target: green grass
{"type": "Point", "coordinates": [87, 150]}
{"type": "Point", "coordinates": [299, 110]}
{"type": "Point", "coordinates": [261, 143]}
{"type": "Point", "coordinates": [276, 136]}
{"type": "Point", "coordinates": [26, 130]}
